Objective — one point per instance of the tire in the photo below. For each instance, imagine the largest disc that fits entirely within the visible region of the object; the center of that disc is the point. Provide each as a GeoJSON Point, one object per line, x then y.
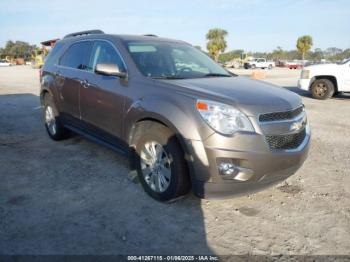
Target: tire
{"type": "Point", "coordinates": [253, 66]}
{"type": "Point", "coordinates": [270, 67]}
{"type": "Point", "coordinates": [167, 177]}
{"type": "Point", "coordinates": [322, 89]}
{"type": "Point", "coordinates": [53, 125]}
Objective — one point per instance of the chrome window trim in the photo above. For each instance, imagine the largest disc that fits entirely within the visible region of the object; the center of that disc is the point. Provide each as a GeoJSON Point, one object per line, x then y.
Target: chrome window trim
{"type": "Point", "coordinates": [91, 40]}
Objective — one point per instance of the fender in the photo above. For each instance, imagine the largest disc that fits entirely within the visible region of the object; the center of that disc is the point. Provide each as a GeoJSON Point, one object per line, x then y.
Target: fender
{"type": "Point", "coordinates": [165, 110]}
{"type": "Point", "coordinates": [173, 112]}
{"type": "Point", "coordinates": [46, 87]}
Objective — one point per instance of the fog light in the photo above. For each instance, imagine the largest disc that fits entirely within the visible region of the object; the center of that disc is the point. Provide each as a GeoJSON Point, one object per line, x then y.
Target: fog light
{"type": "Point", "coordinates": [227, 169]}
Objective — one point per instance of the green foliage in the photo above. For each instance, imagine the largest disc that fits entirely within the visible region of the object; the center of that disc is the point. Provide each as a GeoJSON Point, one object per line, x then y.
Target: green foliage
{"type": "Point", "coordinates": [234, 54]}
{"type": "Point", "coordinates": [330, 54]}
{"type": "Point", "coordinates": [316, 55]}
{"type": "Point", "coordinates": [216, 42]}
{"type": "Point", "coordinates": [18, 49]}
{"type": "Point", "coordinates": [304, 44]}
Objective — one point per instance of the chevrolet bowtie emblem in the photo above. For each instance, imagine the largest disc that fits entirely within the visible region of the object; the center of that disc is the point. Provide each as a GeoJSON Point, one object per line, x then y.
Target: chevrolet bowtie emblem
{"type": "Point", "coordinates": [298, 125]}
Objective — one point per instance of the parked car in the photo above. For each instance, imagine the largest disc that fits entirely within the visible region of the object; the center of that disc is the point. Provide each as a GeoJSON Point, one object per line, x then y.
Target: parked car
{"type": "Point", "coordinates": [183, 121]}
{"type": "Point", "coordinates": [326, 80]}
{"type": "Point", "coordinates": [4, 63]}
{"type": "Point", "coordinates": [294, 64]}
{"type": "Point", "coordinates": [259, 63]}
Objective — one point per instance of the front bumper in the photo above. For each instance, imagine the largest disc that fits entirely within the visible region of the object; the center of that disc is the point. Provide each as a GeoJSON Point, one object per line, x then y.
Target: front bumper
{"type": "Point", "coordinates": [247, 150]}
{"type": "Point", "coordinates": [304, 84]}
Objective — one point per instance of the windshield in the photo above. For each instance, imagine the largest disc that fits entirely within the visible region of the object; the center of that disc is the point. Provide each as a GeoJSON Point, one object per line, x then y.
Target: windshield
{"type": "Point", "coordinates": [171, 60]}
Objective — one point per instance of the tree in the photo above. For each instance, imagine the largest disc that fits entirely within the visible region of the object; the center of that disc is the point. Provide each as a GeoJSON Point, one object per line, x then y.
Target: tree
{"type": "Point", "coordinates": [304, 44]}
{"type": "Point", "coordinates": [234, 54]}
{"type": "Point", "coordinates": [277, 54]}
{"type": "Point", "coordinates": [216, 42]}
{"type": "Point", "coordinates": [18, 49]}
{"type": "Point", "coordinates": [316, 55]}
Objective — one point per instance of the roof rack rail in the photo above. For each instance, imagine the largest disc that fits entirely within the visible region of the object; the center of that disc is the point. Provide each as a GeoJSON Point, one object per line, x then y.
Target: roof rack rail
{"type": "Point", "coordinates": [87, 32]}
{"type": "Point", "coordinates": [151, 35]}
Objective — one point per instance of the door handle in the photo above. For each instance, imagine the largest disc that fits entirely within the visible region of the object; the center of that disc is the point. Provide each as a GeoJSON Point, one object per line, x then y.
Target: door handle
{"type": "Point", "coordinates": [84, 83]}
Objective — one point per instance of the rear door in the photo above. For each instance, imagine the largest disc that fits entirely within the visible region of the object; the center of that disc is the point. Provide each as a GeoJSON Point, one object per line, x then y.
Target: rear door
{"type": "Point", "coordinates": [102, 97]}
{"type": "Point", "coordinates": [72, 68]}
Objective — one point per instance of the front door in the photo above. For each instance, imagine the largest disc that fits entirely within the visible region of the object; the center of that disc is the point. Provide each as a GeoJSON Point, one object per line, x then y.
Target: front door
{"type": "Point", "coordinates": [102, 97]}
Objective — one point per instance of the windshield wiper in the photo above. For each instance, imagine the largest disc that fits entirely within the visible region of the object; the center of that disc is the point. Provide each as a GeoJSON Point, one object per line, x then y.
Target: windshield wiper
{"type": "Point", "coordinates": [217, 75]}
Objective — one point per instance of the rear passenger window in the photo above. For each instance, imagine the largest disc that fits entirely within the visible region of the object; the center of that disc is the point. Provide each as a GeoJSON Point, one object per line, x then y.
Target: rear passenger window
{"type": "Point", "coordinates": [53, 54]}
{"type": "Point", "coordinates": [77, 56]}
{"type": "Point", "coordinates": [104, 53]}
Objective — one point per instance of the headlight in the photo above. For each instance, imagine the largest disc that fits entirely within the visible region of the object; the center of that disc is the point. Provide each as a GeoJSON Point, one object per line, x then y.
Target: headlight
{"type": "Point", "coordinates": [305, 74]}
{"type": "Point", "coordinates": [223, 118]}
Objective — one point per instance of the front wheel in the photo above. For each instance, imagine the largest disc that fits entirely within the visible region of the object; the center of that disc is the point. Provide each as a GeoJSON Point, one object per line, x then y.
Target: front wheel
{"type": "Point", "coordinates": [322, 89]}
{"type": "Point", "coordinates": [253, 66]}
{"type": "Point", "coordinates": [160, 162]}
{"type": "Point", "coordinates": [270, 67]}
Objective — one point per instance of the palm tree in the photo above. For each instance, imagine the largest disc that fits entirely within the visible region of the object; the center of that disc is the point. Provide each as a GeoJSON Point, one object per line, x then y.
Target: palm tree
{"type": "Point", "coordinates": [304, 44]}
{"type": "Point", "coordinates": [216, 42]}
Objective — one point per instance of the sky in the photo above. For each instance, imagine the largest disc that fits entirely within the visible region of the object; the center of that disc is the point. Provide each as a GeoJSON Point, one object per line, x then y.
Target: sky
{"type": "Point", "coordinates": [252, 25]}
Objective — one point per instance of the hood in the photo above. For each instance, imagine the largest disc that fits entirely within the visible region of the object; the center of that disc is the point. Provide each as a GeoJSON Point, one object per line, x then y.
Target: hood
{"type": "Point", "coordinates": [250, 96]}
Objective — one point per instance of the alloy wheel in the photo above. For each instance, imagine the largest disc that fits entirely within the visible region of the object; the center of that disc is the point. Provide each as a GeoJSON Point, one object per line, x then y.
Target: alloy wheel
{"type": "Point", "coordinates": [50, 120]}
{"type": "Point", "coordinates": [155, 166]}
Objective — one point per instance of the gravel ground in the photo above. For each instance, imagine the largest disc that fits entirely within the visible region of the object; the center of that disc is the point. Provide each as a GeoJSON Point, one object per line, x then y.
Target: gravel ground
{"type": "Point", "coordinates": [76, 197]}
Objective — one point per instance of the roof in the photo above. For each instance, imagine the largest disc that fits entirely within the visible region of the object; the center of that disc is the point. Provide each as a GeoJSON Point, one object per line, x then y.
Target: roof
{"type": "Point", "coordinates": [93, 34]}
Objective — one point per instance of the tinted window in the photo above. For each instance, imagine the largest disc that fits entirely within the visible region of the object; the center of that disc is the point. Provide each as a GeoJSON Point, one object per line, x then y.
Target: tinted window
{"type": "Point", "coordinates": [104, 53]}
{"type": "Point", "coordinates": [52, 56]}
{"type": "Point", "coordinates": [77, 56]}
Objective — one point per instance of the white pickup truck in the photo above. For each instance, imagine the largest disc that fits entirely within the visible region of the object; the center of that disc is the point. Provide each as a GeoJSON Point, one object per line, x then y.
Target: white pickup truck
{"type": "Point", "coordinates": [259, 63]}
{"type": "Point", "coordinates": [326, 80]}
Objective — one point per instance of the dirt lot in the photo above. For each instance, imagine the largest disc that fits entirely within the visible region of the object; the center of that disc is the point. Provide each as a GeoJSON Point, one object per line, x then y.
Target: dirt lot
{"type": "Point", "coordinates": [75, 197]}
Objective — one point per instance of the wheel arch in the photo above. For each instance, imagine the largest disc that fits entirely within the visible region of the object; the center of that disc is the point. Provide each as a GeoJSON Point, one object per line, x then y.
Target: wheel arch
{"type": "Point", "coordinates": [43, 93]}
{"type": "Point", "coordinates": [331, 78]}
{"type": "Point", "coordinates": [167, 123]}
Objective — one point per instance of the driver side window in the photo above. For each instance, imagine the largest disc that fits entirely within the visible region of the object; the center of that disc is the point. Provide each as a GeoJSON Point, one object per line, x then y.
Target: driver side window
{"type": "Point", "coordinates": [104, 53]}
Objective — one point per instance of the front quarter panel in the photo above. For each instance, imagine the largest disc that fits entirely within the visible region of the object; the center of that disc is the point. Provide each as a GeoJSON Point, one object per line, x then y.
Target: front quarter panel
{"type": "Point", "coordinates": [177, 112]}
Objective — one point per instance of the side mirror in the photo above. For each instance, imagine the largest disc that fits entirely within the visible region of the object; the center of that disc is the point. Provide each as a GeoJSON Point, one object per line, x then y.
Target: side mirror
{"type": "Point", "coordinates": [109, 70]}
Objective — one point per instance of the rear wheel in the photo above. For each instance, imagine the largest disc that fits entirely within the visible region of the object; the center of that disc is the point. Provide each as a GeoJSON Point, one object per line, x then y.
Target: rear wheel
{"type": "Point", "coordinates": [160, 162]}
{"type": "Point", "coordinates": [322, 89]}
{"type": "Point", "coordinates": [53, 125]}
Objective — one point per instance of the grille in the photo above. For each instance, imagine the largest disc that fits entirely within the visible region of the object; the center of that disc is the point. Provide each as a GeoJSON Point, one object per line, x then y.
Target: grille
{"type": "Point", "coordinates": [280, 115]}
{"type": "Point", "coordinates": [291, 141]}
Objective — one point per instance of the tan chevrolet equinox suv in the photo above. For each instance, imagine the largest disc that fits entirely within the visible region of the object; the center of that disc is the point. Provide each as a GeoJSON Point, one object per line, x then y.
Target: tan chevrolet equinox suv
{"type": "Point", "coordinates": [182, 120]}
